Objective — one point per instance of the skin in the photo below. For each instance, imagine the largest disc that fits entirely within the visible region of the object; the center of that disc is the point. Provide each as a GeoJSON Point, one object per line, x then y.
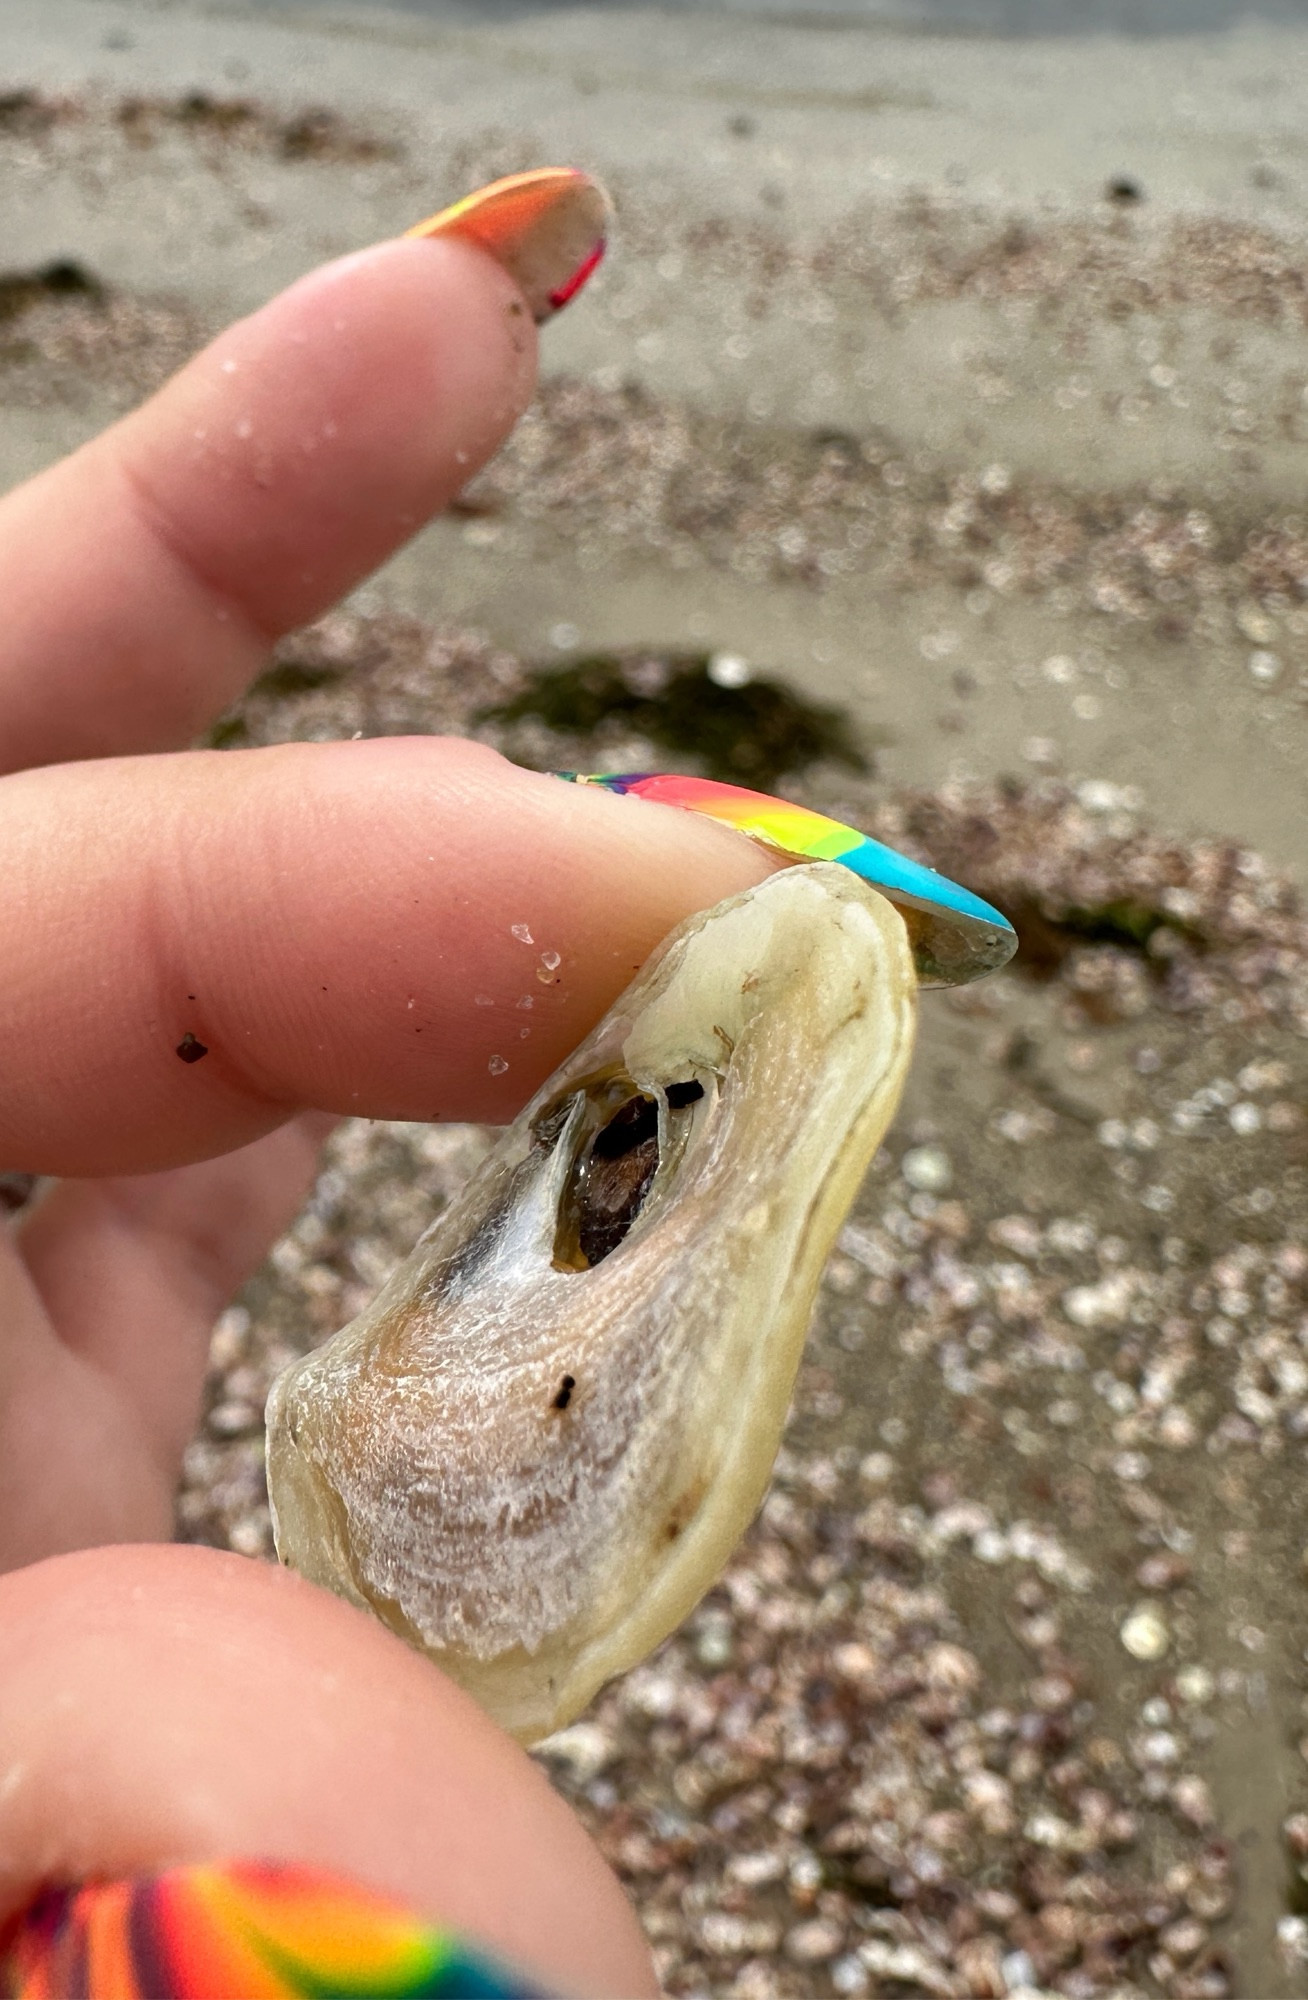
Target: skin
{"type": "Point", "coordinates": [286, 906]}
{"type": "Point", "coordinates": [173, 1704]}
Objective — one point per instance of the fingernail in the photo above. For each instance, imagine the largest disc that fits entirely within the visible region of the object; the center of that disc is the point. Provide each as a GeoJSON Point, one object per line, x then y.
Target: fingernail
{"type": "Point", "coordinates": [548, 229]}
{"type": "Point", "coordinates": [239, 1927]}
{"type": "Point", "coordinates": [955, 936]}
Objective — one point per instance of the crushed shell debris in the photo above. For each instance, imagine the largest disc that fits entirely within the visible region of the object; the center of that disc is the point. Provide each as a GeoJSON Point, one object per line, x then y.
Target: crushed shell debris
{"type": "Point", "coordinates": [913, 1737]}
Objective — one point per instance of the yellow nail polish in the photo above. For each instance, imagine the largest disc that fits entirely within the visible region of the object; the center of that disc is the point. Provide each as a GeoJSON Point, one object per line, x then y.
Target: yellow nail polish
{"type": "Point", "coordinates": [276, 1928]}
{"type": "Point", "coordinates": [547, 228]}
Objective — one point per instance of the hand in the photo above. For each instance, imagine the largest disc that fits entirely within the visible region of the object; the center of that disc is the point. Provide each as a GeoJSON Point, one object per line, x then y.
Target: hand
{"type": "Point", "coordinates": [318, 918]}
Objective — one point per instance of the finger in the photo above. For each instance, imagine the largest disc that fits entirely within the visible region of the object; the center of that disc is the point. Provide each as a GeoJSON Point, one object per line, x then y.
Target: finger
{"type": "Point", "coordinates": [405, 928]}
{"type": "Point", "coordinates": [144, 577]}
{"type": "Point", "coordinates": [75, 1468]}
{"type": "Point", "coordinates": [108, 1295]}
{"type": "Point", "coordinates": [163, 1706]}
{"type": "Point", "coordinates": [133, 1271]}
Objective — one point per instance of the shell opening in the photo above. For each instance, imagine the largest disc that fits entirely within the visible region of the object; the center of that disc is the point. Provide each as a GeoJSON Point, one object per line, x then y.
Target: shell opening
{"type": "Point", "coordinates": [624, 1137]}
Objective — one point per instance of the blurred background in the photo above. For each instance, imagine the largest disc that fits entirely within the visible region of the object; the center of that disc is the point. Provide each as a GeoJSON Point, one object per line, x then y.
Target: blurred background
{"type": "Point", "coordinates": [931, 448]}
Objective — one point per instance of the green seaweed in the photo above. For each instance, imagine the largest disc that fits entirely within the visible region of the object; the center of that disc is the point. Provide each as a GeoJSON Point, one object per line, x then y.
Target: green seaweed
{"type": "Point", "coordinates": [748, 735]}
{"type": "Point", "coordinates": [228, 733]}
{"type": "Point", "coordinates": [1128, 922]}
{"type": "Point", "coordinates": [287, 677]}
{"type": "Point", "coordinates": [62, 278]}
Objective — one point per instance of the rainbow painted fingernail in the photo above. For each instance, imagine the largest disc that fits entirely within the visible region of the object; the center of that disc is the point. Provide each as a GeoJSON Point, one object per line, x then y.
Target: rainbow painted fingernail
{"type": "Point", "coordinates": [954, 935]}
{"type": "Point", "coordinates": [239, 1930]}
{"type": "Point", "coordinates": [548, 229]}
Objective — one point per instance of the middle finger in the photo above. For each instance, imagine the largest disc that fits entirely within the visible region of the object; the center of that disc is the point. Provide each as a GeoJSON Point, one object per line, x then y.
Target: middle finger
{"type": "Point", "coordinates": [197, 946]}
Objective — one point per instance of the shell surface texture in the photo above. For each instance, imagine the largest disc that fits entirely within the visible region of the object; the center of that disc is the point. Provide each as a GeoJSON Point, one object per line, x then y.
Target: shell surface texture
{"type": "Point", "coordinates": [536, 1449]}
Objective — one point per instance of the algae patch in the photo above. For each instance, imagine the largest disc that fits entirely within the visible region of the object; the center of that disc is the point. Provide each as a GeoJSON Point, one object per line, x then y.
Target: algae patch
{"type": "Point", "coordinates": [749, 731]}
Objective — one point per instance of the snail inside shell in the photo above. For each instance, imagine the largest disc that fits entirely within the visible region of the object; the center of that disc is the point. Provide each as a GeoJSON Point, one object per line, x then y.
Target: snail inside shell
{"type": "Point", "coordinates": [536, 1449]}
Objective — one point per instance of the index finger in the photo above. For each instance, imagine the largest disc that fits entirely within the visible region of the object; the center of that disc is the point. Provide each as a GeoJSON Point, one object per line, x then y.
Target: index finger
{"type": "Point", "coordinates": [144, 577]}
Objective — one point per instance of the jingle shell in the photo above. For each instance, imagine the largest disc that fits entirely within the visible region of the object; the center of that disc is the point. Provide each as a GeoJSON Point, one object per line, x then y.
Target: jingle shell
{"type": "Point", "coordinates": [537, 1448]}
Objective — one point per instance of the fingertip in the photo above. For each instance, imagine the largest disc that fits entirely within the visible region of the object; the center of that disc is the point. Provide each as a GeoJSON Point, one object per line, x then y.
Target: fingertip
{"type": "Point", "coordinates": [423, 279]}
{"type": "Point", "coordinates": [168, 1705]}
{"type": "Point", "coordinates": [311, 438]}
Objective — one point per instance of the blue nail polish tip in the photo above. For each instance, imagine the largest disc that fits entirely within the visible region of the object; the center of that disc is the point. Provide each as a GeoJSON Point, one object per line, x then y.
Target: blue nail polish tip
{"type": "Point", "coordinates": [956, 936]}
{"type": "Point", "coordinates": [884, 868]}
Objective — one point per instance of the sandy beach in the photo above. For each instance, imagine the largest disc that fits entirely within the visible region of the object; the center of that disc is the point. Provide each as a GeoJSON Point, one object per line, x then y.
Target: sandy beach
{"type": "Point", "coordinates": [954, 387]}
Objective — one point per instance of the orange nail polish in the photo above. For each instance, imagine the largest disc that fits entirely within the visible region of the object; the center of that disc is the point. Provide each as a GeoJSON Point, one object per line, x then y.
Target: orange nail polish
{"type": "Point", "coordinates": [548, 229]}
{"type": "Point", "coordinates": [208, 1931]}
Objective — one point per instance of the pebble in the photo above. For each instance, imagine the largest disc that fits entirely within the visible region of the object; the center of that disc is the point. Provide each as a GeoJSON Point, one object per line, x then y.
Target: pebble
{"type": "Point", "coordinates": [1017, 1969]}
{"type": "Point", "coordinates": [1144, 1633]}
{"type": "Point", "coordinates": [583, 1747]}
{"type": "Point", "coordinates": [813, 1943]}
{"type": "Point", "coordinates": [928, 1169]}
{"type": "Point", "coordinates": [729, 1936]}
{"type": "Point", "coordinates": [1193, 1800]}
{"type": "Point", "coordinates": [1292, 1937]}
